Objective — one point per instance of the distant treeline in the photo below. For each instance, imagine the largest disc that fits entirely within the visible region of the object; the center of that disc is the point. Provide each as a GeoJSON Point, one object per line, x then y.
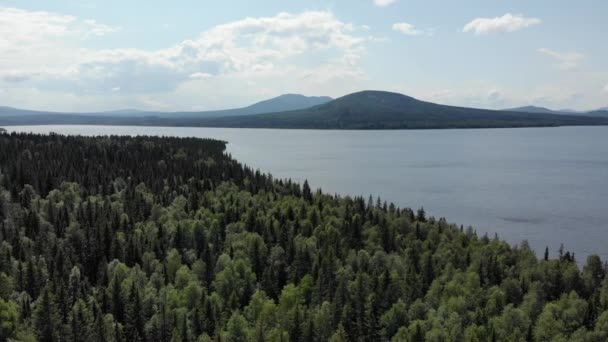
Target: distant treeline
{"type": "Point", "coordinates": [170, 239]}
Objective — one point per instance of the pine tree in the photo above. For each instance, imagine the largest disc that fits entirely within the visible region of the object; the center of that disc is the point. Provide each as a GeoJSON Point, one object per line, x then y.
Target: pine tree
{"type": "Point", "coordinates": [134, 320]}
{"type": "Point", "coordinates": [45, 318]}
{"type": "Point", "coordinates": [418, 336]}
{"type": "Point", "coordinates": [117, 301]}
{"type": "Point", "coordinates": [306, 192]}
{"type": "Point", "coordinates": [295, 332]}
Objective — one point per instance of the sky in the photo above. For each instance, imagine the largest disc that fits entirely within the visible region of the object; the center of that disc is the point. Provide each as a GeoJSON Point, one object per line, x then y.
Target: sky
{"type": "Point", "coordinates": [92, 55]}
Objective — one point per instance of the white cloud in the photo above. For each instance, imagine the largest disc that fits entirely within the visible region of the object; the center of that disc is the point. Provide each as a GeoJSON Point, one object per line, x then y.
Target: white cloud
{"type": "Point", "coordinates": [200, 75]}
{"type": "Point", "coordinates": [576, 94]}
{"type": "Point", "coordinates": [38, 26]}
{"type": "Point", "coordinates": [506, 23]}
{"type": "Point", "coordinates": [97, 29]}
{"type": "Point", "coordinates": [34, 43]}
{"type": "Point", "coordinates": [314, 48]}
{"type": "Point", "coordinates": [383, 3]}
{"type": "Point", "coordinates": [564, 60]}
{"type": "Point", "coordinates": [606, 88]}
{"type": "Point", "coordinates": [410, 30]}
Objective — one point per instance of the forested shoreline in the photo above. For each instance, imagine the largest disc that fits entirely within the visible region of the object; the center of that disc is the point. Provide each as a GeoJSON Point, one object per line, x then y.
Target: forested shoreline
{"type": "Point", "coordinates": [170, 239]}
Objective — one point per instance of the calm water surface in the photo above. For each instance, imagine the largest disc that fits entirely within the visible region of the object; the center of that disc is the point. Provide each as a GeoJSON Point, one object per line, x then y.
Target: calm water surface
{"type": "Point", "coordinates": [545, 185]}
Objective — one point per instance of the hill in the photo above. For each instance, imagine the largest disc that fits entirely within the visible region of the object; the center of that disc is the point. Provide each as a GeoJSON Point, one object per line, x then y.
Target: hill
{"type": "Point", "coordinates": [599, 113]}
{"type": "Point", "coordinates": [385, 110]}
{"type": "Point", "coordinates": [277, 104]}
{"type": "Point", "coordinates": [281, 103]}
{"type": "Point", "coordinates": [602, 112]}
{"type": "Point", "coordinates": [535, 109]}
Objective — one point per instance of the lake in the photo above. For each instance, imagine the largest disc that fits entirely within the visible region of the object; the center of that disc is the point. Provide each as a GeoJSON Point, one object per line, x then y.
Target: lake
{"type": "Point", "coordinates": [545, 185]}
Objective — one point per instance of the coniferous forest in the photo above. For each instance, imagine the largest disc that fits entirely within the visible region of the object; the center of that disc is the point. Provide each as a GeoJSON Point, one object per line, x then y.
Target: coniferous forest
{"type": "Point", "coordinates": [170, 239]}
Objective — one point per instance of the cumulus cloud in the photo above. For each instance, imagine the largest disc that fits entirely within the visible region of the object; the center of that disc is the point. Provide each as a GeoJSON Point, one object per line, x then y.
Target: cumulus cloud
{"type": "Point", "coordinates": [383, 3]}
{"type": "Point", "coordinates": [606, 88]}
{"type": "Point", "coordinates": [36, 43]}
{"type": "Point", "coordinates": [36, 27]}
{"type": "Point", "coordinates": [506, 23]}
{"type": "Point", "coordinates": [410, 30]}
{"type": "Point", "coordinates": [489, 94]}
{"type": "Point", "coordinates": [200, 75]}
{"type": "Point", "coordinates": [312, 47]}
{"type": "Point", "coordinates": [249, 47]}
{"type": "Point", "coordinates": [564, 60]}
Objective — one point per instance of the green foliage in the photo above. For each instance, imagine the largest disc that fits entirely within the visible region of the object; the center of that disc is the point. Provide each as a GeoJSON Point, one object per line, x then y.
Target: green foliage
{"type": "Point", "coordinates": [8, 319]}
{"type": "Point", "coordinates": [168, 239]}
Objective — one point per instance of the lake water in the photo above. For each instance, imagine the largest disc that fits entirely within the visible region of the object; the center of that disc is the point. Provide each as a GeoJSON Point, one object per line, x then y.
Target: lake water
{"type": "Point", "coordinates": [545, 185]}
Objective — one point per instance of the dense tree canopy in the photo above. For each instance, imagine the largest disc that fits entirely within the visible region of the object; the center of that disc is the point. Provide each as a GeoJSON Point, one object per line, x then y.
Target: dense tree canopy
{"type": "Point", "coordinates": [170, 239]}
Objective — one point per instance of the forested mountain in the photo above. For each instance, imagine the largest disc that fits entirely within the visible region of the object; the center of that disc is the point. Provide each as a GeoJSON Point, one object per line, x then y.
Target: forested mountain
{"type": "Point", "coordinates": [281, 103]}
{"type": "Point", "coordinates": [170, 239]}
{"type": "Point", "coordinates": [363, 110]}
{"type": "Point", "coordinates": [287, 102]}
{"type": "Point", "coordinates": [384, 110]}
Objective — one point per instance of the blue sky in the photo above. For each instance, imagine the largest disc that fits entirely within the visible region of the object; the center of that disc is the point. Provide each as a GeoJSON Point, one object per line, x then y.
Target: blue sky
{"type": "Point", "coordinates": [195, 55]}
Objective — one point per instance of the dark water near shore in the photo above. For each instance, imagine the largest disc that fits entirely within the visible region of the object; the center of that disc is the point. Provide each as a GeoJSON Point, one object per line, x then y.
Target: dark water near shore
{"type": "Point", "coordinates": [545, 185]}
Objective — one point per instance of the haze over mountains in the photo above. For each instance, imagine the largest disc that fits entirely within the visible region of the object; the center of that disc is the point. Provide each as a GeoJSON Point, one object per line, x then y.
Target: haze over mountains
{"type": "Point", "coordinates": [361, 110]}
{"type": "Point", "coordinates": [534, 109]}
{"type": "Point", "coordinates": [284, 102]}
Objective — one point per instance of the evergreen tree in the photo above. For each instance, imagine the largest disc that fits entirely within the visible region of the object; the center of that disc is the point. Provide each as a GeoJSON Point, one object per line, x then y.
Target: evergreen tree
{"type": "Point", "coordinates": [45, 318]}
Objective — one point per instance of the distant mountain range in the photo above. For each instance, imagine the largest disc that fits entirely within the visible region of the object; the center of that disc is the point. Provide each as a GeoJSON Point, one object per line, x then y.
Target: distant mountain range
{"type": "Point", "coordinates": [603, 112]}
{"type": "Point", "coordinates": [362, 110]}
{"type": "Point", "coordinates": [278, 104]}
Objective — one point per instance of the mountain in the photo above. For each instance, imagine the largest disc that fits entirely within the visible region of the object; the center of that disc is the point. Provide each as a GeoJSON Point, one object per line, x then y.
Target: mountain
{"type": "Point", "coordinates": [362, 110]}
{"type": "Point", "coordinates": [11, 111]}
{"type": "Point", "coordinates": [602, 112]}
{"type": "Point", "coordinates": [286, 102]}
{"type": "Point", "coordinates": [385, 110]}
{"type": "Point", "coordinates": [125, 112]}
{"type": "Point", "coordinates": [281, 103]}
{"type": "Point", "coordinates": [568, 111]}
{"type": "Point", "coordinates": [535, 109]}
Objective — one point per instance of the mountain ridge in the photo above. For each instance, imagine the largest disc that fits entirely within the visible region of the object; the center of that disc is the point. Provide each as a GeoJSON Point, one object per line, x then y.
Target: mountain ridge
{"type": "Point", "coordinates": [544, 110]}
{"type": "Point", "coordinates": [535, 109]}
{"type": "Point", "coordinates": [371, 109]}
{"type": "Point", "coordinates": [279, 103]}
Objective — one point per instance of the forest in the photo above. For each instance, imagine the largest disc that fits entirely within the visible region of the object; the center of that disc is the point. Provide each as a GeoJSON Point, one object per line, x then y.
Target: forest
{"type": "Point", "coordinates": [170, 239]}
